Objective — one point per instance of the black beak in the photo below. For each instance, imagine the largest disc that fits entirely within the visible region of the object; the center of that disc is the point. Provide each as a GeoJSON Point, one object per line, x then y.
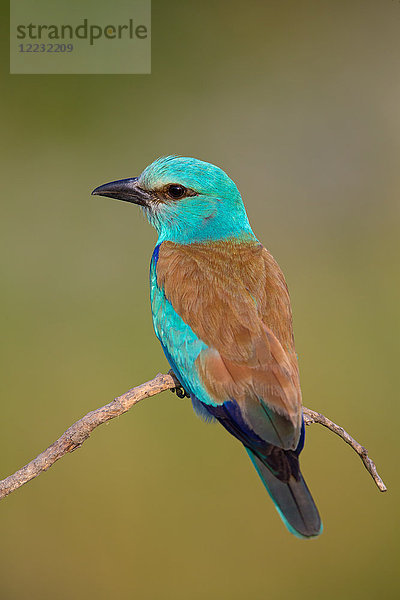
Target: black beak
{"type": "Point", "coordinates": [124, 189]}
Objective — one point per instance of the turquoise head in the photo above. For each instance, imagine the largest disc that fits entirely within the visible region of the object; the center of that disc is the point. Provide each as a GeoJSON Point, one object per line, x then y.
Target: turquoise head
{"type": "Point", "coordinates": [186, 200]}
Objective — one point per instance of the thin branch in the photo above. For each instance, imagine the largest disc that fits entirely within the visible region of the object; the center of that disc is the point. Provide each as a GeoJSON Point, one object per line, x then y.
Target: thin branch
{"type": "Point", "coordinates": [79, 432]}
{"type": "Point", "coordinates": [75, 435]}
{"type": "Point", "coordinates": [311, 416]}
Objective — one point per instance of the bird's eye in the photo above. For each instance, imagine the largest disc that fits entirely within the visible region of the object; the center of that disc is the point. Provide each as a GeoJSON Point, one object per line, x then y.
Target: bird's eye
{"type": "Point", "coordinates": [176, 191]}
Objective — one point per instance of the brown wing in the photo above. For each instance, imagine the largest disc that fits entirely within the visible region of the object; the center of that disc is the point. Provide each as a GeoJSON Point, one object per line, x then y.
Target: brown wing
{"type": "Point", "coordinates": [234, 297]}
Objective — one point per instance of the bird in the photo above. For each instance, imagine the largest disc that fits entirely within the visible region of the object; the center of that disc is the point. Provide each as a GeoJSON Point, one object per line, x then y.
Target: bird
{"type": "Point", "coordinates": [222, 313]}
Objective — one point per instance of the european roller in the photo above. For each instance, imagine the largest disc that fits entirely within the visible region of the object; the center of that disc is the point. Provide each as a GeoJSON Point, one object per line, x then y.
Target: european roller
{"type": "Point", "coordinates": [222, 313]}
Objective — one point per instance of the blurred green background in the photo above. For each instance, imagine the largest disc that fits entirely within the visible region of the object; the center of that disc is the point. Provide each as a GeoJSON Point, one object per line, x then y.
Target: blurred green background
{"type": "Point", "coordinates": [299, 103]}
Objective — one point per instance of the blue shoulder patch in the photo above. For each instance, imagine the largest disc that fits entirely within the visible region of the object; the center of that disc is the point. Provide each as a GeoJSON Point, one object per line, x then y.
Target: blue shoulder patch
{"type": "Point", "coordinates": [156, 251]}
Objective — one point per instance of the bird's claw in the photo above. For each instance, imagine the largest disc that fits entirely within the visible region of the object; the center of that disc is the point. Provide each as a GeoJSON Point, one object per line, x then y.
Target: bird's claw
{"type": "Point", "coordinates": [180, 392]}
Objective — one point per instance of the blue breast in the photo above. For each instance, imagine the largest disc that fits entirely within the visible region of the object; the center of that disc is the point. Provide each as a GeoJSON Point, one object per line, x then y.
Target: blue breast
{"type": "Point", "coordinates": [180, 344]}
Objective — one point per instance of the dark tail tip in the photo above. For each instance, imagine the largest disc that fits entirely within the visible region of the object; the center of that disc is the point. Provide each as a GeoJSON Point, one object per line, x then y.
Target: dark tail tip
{"type": "Point", "coordinates": [292, 500]}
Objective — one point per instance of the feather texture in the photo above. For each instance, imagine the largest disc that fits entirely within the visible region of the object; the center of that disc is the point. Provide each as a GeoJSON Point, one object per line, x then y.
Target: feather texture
{"type": "Point", "coordinates": [234, 298]}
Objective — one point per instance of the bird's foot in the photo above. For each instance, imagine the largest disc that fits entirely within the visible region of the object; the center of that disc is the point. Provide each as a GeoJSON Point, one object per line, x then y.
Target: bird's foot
{"type": "Point", "coordinates": [179, 390]}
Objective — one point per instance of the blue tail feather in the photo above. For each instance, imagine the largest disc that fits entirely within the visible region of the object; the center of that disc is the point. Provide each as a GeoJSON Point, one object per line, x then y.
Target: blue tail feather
{"type": "Point", "coordinates": [292, 500]}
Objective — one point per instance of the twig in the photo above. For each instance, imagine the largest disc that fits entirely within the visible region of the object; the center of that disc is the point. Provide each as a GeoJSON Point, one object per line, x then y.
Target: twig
{"type": "Point", "coordinates": [311, 416]}
{"type": "Point", "coordinates": [79, 432]}
{"type": "Point", "coordinates": [74, 437]}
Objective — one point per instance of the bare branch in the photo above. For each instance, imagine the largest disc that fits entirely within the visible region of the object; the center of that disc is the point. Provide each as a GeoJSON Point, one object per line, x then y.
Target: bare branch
{"type": "Point", "coordinates": [311, 416]}
{"type": "Point", "coordinates": [75, 435]}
